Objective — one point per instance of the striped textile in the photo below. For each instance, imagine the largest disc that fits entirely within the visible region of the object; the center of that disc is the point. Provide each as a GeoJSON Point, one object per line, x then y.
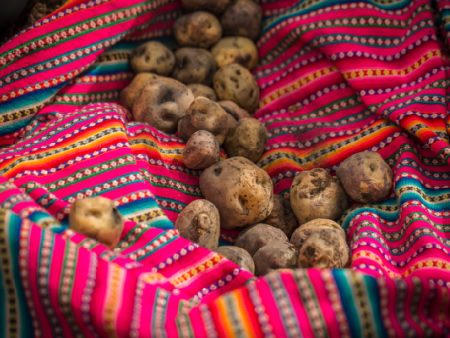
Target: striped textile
{"type": "Point", "coordinates": [336, 77]}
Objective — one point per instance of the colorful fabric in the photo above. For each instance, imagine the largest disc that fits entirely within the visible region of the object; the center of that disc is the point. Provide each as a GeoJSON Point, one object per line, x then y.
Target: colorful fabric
{"type": "Point", "coordinates": [336, 78]}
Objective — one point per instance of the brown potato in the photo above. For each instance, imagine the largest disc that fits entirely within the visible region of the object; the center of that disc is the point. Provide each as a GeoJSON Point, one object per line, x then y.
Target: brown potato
{"type": "Point", "coordinates": [240, 256]}
{"type": "Point", "coordinates": [274, 256]}
{"type": "Point", "coordinates": [204, 114]}
{"type": "Point", "coordinates": [200, 222]}
{"type": "Point", "coordinates": [259, 235]}
{"type": "Point", "coordinates": [134, 89]}
{"type": "Point", "coordinates": [199, 89]}
{"type": "Point", "coordinates": [240, 190]}
{"type": "Point", "coordinates": [234, 82]}
{"type": "Point", "coordinates": [317, 194]}
{"type": "Point", "coordinates": [202, 150]}
{"type": "Point", "coordinates": [96, 217]}
{"type": "Point", "coordinates": [242, 18]}
{"type": "Point", "coordinates": [213, 6]}
{"type": "Point", "coordinates": [233, 109]}
{"type": "Point", "coordinates": [162, 102]}
{"type": "Point", "coordinates": [152, 57]}
{"type": "Point", "coordinates": [198, 29]}
{"type": "Point", "coordinates": [247, 139]}
{"type": "Point", "coordinates": [366, 177]}
{"type": "Point", "coordinates": [321, 244]}
{"type": "Point", "coordinates": [235, 49]}
{"type": "Point", "coordinates": [282, 216]}
{"type": "Point", "coordinates": [194, 65]}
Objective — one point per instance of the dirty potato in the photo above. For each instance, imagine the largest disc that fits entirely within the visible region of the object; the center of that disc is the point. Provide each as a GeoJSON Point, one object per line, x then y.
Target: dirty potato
{"type": "Point", "coordinates": [238, 255]}
{"type": "Point", "coordinates": [282, 216]}
{"type": "Point", "coordinates": [274, 256]}
{"type": "Point", "coordinates": [202, 150]}
{"type": "Point", "coordinates": [259, 235]}
{"type": "Point", "coordinates": [199, 29]}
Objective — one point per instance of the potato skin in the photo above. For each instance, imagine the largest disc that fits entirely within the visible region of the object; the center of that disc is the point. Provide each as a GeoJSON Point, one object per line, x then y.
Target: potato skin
{"type": "Point", "coordinates": [282, 216]}
{"type": "Point", "coordinates": [194, 65]}
{"type": "Point", "coordinates": [240, 190]}
{"type": "Point", "coordinates": [247, 139]}
{"type": "Point", "coordinates": [199, 29]}
{"type": "Point", "coordinates": [199, 89]}
{"type": "Point", "coordinates": [242, 18]}
{"type": "Point", "coordinates": [152, 57]}
{"type": "Point", "coordinates": [204, 114]}
{"type": "Point", "coordinates": [162, 102]}
{"type": "Point", "coordinates": [321, 244]}
{"type": "Point", "coordinates": [366, 177]}
{"type": "Point", "coordinates": [234, 110]}
{"type": "Point", "coordinates": [199, 222]}
{"type": "Point", "coordinates": [256, 236]}
{"type": "Point", "coordinates": [274, 256]}
{"type": "Point", "coordinates": [236, 83]}
{"type": "Point", "coordinates": [202, 150]}
{"type": "Point", "coordinates": [134, 89]}
{"type": "Point", "coordinates": [317, 194]}
{"type": "Point", "coordinates": [214, 6]}
{"type": "Point", "coordinates": [236, 49]}
{"type": "Point", "coordinates": [96, 217]}
{"type": "Point", "coordinates": [238, 255]}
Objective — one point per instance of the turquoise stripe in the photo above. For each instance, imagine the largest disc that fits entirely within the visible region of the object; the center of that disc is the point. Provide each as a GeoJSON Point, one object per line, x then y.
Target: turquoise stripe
{"type": "Point", "coordinates": [373, 293]}
{"type": "Point", "coordinates": [348, 302]}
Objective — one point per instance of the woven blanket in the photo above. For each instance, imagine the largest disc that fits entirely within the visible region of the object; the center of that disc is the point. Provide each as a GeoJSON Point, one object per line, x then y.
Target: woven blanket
{"type": "Point", "coordinates": [336, 78]}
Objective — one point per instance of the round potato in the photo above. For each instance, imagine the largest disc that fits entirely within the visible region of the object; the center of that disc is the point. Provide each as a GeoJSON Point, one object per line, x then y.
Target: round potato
{"type": "Point", "coordinates": [134, 89]}
{"type": "Point", "coordinates": [282, 216]}
{"type": "Point", "coordinates": [234, 82]}
{"type": "Point", "coordinates": [235, 49]}
{"type": "Point", "coordinates": [317, 194]}
{"type": "Point", "coordinates": [240, 190]}
{"type": "Point", "coordinates": [198, 29]}
{"type": "Point", "coordinates": [213, 6]}
{"type": "Point", "coordinates": [162, 102]}
{"type": "Point", "coordinates": [202, 150]}
{"type": "Point", "coordinates": [242, 18]}
{"type": "Point", "coordinates": [96, 217]}
{"type": "Point", "coordinates": [366, 177]}
{"type": "Point", "coordinates": [204, 114]}
{"type": "Point", "coordinates": [247, 139]}
{"type": "Point", "coordinates": [239, 256]}
{"type": "Point", "coordinates": [274, 256]}
{"type": "Point", "coordinates": [199, 89]}
{"type": "Point", "coordinates": [200, 222]}
{"type": "Point", "coordinates": [259, 235]}
{"type": "Point", "coordinates": [194, 65]}
{"type": "Point", "coordinates": [152, 57]}
{"type": "Point", "coordinates": [321, 244]}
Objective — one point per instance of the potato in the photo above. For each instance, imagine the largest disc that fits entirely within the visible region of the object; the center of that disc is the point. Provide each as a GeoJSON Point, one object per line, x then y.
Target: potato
{"type": "Point", "coordinates": [134, 89]}
{"type": "Point", "coordinates": [236, 83]}
{"type": "Point", "coordinates": [259, 235]}
{"type": "Point", "coordinates": [282, 216]}
{"type": "Point", "coordinates": [96, 217]}
{"type": "Point", "coordinates": [162, 102]}
{"type": "Point", "coordinates": [274, 256]}
{"type": "Point", "coordinates": [199, 89]}
{"type": "Point", "coordinates": [239, 256]}
{"type": "Point", "coordinates": [233, 109]}
{"type": "Point", "coordinates": [204, 114]}
{"type": "Point", "coordinates": [321, 244]}
{"type": "Point", "coordinates": [199, 29]}
{"type": "Point", "coordinates": [202, 150]}
{"type": "Point", "coordinates": [152, 57]}
{"type": "Point", "coordinates": [200, 222]}
{"type": "Point", "coordinates": [240, 190]}
{"type": "Point", "coordinates": [317, 194]}
{"type": "Point", "coordinates": [213, 6]}
{"type": "Point", "coordinates": [247, 139]}
{"type": "Point", "coordinates": [242, 18]}
{"type": "Point", "coordinates": [194, 65]}
{"type": "Point", "coordinates": [235, 49]}
{"type": "Point", "coordinates": [366, 177]}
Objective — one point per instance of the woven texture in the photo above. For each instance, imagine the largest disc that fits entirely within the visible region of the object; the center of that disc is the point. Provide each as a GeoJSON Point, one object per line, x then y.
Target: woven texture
{"type": "Point", "coordinates": [336, 78]}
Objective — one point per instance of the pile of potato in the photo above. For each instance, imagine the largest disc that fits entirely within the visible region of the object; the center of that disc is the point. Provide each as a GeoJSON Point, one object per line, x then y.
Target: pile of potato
{"type": "Point", "coordinates": [177, 92]}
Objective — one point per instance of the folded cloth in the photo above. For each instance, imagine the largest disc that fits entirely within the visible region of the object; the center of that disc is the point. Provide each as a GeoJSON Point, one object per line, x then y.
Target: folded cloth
{"type": "Point", "coordinates": [336, 78]}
